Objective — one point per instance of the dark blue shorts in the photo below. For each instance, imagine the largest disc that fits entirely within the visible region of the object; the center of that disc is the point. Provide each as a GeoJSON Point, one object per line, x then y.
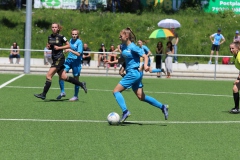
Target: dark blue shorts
{"type": "Point", "coordinates": [215, 47]}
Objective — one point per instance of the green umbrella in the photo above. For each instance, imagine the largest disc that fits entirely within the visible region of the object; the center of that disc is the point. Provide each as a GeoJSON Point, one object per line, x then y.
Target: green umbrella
{"type": "Point", "coordinates": [161, 33]}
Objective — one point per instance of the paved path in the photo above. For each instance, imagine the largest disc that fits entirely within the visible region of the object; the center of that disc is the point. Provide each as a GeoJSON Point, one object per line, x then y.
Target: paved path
{"type": "Point", "coordinates": [181, 70]}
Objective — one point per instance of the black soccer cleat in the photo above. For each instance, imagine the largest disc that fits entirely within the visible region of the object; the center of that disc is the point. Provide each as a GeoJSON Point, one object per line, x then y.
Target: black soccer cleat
{"type": "Point", "coordinates": [84, 87]}
{"type": "Point", "coordinates": [234, 111]}
{"type": "Point", "coordinates": [40, 96]}
{"type": "Point", "coordinates": [162, 70]}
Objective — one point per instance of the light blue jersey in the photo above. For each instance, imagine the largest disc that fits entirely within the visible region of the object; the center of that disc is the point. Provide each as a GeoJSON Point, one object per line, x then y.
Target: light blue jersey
{"type": "Point", "coordinates": [73, 61]}
{"type": "Point", "coordinates": [145, 50]}
{"type": "Point", "coordinates": [131, 54]}
{"type": "Point", "coordinates": [217, 38]}
{"type": "Point", "coordinates": [77, 46]}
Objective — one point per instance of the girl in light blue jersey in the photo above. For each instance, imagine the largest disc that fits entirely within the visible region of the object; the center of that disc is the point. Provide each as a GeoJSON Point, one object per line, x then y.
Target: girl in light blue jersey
{"type": "Point", "coordinates": [147, 51]}
{"type": "Point", "coordinates": [131, 54]}
{"type": "Point", "coordinates": [73, 61]}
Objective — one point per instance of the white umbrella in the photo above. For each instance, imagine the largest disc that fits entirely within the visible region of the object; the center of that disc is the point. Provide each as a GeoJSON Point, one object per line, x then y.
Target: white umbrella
{"type": "Point", "coordinates": [169, 23]}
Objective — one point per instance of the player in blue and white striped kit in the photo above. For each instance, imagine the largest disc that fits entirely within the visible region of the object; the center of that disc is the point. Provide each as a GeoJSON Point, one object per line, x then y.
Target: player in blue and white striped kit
{"type": "Point", "coordinates": [132, 53]}
{"type": "Point", "coordinates": [74, 62]}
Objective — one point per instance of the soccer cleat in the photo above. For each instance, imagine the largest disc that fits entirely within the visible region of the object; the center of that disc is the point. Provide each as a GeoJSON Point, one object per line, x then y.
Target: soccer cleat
{"type": "Point", "coordinates": [163, 71]}
{"type": "Point", "coordinates": [234, 111]}
{"type": "Point", "coordinates": [61, 95]}
{"type": "Point", "coordinates": [74, 99]}
{"type": "Point", "coordinates": [84, 87]}
{"type": "Point", "coordinates": [125, 116]}
{"type": "Point", "coordinates": [40, 96]}
{"type": "Point", "coordinates": [165, 110]}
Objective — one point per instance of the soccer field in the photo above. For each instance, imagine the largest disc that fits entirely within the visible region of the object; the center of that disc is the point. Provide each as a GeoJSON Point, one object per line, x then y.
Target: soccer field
{"type": "Point", "coordinates": [199, 125]}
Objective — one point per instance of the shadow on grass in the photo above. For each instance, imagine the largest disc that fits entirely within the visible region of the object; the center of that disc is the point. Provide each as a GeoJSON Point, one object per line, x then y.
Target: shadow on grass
{"type": "Point", "coordinates": [140, 124]}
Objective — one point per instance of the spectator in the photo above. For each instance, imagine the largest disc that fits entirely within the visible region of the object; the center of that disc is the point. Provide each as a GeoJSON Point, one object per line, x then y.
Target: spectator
{"type": "Point", "coordinates": [112, 56]}
{"type": "Point", "coordinates": [217, 40]}
{"type": "Point", "coordinates": [102, 57]}
{"type": "Point", "coordinates": [14, 53]}
{"type": "Point", "coordinates": [86, 56]}
{"type": "Point", "coordinates": [236, 38]}
{"type": "Point", "coordinates": [168, 61]}
{"type": "Point", "coordinates": [18, 4]}
{"type": "Point", "coordinates": [174, 41]}
{"type": "Point", "coordinates": [114, 6]}
{"type": "Point", "coordinates": [47, 55]}
{"type": "Point", "coordinates": [159, 52]}
{"type": "Point", "coordinates": [84, 5]}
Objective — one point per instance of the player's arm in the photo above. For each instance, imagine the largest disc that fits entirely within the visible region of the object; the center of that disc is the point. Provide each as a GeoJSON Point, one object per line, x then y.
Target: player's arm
{"type": "Point", "coordinates": [223, 40]}
{"type": "Point", "coordinates": [145, 58]}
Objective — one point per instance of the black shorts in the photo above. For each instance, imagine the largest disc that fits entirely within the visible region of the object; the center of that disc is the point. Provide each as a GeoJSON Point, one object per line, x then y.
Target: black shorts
{"type": "Point", "coordinates": [215, 47]}
{"type": "Point", "coordinates": [59, 64]}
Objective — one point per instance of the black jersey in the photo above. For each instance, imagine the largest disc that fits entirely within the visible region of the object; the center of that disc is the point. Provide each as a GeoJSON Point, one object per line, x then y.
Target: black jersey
{"type": "Point", "coordinates": [57, 40]}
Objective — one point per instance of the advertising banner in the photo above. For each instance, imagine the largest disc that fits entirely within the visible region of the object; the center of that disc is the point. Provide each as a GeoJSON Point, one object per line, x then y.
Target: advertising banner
{"type": "Point", "coordinates": [68, 4]}
{"type": "Point", "coordinates": [221, 5]}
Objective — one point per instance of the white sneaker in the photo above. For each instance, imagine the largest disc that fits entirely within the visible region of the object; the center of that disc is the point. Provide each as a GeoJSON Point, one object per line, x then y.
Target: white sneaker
{"type": "Point", "coordinates": [74, 99]}
{"type": "Point", "coordinates": [209, 62]}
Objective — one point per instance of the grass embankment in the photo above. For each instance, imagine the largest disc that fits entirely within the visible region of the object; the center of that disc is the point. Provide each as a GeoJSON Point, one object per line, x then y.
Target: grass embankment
{"type": "Point", "coordinates": [103, 27]}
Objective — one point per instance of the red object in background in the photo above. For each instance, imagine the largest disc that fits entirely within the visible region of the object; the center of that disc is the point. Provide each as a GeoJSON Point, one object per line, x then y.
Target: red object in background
{"type": "Point", "coordinates": [225, 60]}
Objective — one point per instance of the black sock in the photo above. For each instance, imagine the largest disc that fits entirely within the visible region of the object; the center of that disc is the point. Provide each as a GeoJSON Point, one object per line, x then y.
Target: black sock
{"type": "Point", "coordinates": [74, 81]}
{"type": "Point", "coordinates": [47, 86]}
{"type": "Point", "coordinates": [125, 112]}
{"type": "Point", "coordinates": [236, 99]}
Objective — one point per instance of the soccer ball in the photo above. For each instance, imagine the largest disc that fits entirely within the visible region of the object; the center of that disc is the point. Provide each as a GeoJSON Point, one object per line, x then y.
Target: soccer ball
{"type": "Point", "coordinates": [113, 118]}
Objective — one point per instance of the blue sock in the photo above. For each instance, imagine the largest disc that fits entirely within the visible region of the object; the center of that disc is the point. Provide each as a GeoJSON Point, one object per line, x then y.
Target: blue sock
{"type": "Point", "coordinates": [61, 84]}
{"type": "Point", "coordinates": [76, 90]}
{"type": "Point", "coordinates": [120, 100]}
{"type": "Point", "coordinates": [156, 70]}
{"type": "Point", "coordinates": [152, 101]}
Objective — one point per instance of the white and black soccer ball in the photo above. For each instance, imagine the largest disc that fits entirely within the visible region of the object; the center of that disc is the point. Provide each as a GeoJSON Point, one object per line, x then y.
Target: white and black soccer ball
{"type": "Point", "coordinates": [113, 118]}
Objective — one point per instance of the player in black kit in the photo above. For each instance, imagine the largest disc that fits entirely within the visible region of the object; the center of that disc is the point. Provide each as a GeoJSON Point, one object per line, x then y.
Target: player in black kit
{"type": "Point", "coordinates": [56, 42]}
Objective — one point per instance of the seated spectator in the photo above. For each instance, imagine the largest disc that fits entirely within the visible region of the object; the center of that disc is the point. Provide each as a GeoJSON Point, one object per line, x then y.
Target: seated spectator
{"type": "Point", "coordinates": [47, 55]}
{"type": "Point", "coordinates": [112, 56]}
{"type": "Point", "coordinates": [86, 56]}
{"type": "Point", "coordinates": [102, 57]}
{"type": "Point", "coordinates": [14, 53]}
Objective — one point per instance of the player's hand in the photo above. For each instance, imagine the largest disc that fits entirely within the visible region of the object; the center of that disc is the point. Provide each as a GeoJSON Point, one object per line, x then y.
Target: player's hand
{"type": "Point", "coordinates": [146, 68]}
{"type": "Point", "coordinates": [56, 47]}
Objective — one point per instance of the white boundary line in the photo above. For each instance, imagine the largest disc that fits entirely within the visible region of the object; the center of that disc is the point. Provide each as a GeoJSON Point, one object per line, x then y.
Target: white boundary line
{"type": "Point", "coordinates": [6, 83]}
{"type": "Point", "coordinates": [193, 94]}
{"type": "Point", "coordinates": [143, 122]}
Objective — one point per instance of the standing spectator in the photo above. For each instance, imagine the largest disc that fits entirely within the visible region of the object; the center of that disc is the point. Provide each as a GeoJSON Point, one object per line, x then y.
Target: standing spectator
{"type": "Point", "coordinates": [112, 56]}
{"type": "Point", "coordinates": [236, 38]}
{"type": "Point", "coordinates": [114, 5]}
{"type": "Point", "coordinates": [102, 57]}
{"type": "Point", "coordinates": [84, 5]}
{"type": "Point", "coordinates": [86, 56]}
{"type": "Point", "coordinates": [47, 55]}
{"type": "Point", "coordinates": [168, 61]}
{"type": "Point", "coordinates": [14, 53]}
{"type": "Point", "coordinates": [235, 50]}
{"type": "Point", "coordinates": [217, 39]}
{"type": "Point", "coordinates": [159, 52]}
{"type": "Point", "coordinates": [19, 4]}
{"type": "Point", "coordinates": [174, 41]}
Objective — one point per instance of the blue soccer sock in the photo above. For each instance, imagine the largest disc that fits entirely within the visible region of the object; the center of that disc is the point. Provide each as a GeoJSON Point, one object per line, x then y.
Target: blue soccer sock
{"type": "Point", "coordinates": [120, 100]}
{"type": "Point", "coordinates": [156, 70]}
{"type": "Point", "coordinates": [76, 90]}
{"type": "Point", "coordinates": [152, 101]}
{"type": "Point", "coordinates": [61, 84]}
